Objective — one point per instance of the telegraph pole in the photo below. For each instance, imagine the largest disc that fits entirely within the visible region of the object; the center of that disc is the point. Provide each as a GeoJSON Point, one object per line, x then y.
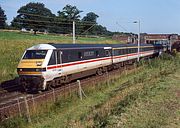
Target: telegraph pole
{"type": "Point", "coordinates": [139, 38]}
{"type": "Point", "coordinates": [74, 33]}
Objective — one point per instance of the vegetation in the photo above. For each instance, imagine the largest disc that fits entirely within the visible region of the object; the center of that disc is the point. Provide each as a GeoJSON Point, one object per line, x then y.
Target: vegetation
{"type": "Point", "coordinates": [154, 104]}
{"type": "Point", "coordinates": [13, 44]}
{"type": "Point", "coordinates": [145, 97]}
{"type": "Point", "coordinates": [28, 19]}
{"type": "Point", "coordinates": [2, 19]}
{"type": "Point", "coordinates": [39, 18]}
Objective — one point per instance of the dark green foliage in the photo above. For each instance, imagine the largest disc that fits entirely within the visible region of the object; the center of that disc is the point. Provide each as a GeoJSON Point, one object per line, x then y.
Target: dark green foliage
{"type": "Point", "coordinates": [65, 18]}
{"type": "Point", "coordinates": [71, 12]}
{"type": "Point", "coordinates": [14, 123]}
{"type": "Point", "coordinates": [33, 16]}
{"type": "Point", "coordinates": [2, 18]}
{"type": "Point", "coordinates": [39, 18]}
{"type": "Point", "coordinates": [121, 106]}
{"type": "Point", "coordinates": [90, 17]}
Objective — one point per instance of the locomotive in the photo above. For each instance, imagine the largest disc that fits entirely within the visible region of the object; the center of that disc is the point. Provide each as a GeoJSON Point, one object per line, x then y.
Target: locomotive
{"type": "Point", "coordinates": [44, 66]}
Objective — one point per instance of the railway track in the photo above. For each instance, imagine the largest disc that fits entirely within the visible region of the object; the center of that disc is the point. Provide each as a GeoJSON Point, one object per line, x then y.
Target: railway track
{"type": "Point", "coordinates": [9, 93]}
{"type": "Point", "coordinates": [10, 97]}
{"type": "Point", "coordinates": [13, 98]}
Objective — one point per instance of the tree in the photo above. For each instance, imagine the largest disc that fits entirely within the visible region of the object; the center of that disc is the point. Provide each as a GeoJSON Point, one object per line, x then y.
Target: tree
{"type": "Point", "coordinates": [62, 15]}
{"type": "Point", "coordinates": [90, 17]}
{"type": "Point", "coordinates": [65, 18]}
{"type": "Point", "coordinates": [71, 12]}
{"type": "Point", "coordinates": [33, 16]}
{"type": "Point", "coordinates": [2, 18]}
{"type": "Point", "coordinates": [89, 22]}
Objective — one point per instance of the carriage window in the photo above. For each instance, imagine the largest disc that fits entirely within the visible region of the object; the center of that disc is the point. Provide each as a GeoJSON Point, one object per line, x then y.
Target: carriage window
{"type": "Point", "coordinates": [128, 50]}
{"type": "Point", "coordinates": [79, 55]}
{"type": "Point", "coordinates": [107, 53]}
{"type": "Point", "coordinates": [97, 53]}
{"type": "Point", "coordinates": [89, 53]}
{"type": "Point", "coordinates": [59, 59]}
{"type": "Point", "coordinates": [123, 51]}
{"type": "Point", "coordinates": [69, 57]}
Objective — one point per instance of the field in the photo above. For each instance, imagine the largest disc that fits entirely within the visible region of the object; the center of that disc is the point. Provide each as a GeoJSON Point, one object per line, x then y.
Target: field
{"type": "Point", "coordinates": [151, 99]}
{"type": "Point", "coordinates": [13, 44]}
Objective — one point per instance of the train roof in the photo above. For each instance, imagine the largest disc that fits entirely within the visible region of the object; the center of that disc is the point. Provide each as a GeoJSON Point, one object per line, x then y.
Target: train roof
{"type": "Point", "coordinates": [80, 46]}
{"type": "Point", "coordinates": [95, 45]}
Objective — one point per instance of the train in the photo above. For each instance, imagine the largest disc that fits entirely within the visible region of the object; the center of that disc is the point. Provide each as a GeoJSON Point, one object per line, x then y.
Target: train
{"type": "Point", "coordinates": [44, 66]}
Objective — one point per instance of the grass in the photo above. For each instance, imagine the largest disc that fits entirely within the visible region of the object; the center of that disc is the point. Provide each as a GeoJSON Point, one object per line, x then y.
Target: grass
{"type": "Point", "coordinates": [155, 103]}
{"type": "Point", "coordinates": [155, 107]}
{"type": "Point", "coordinates": [13, 44]}
{"type": "Point", "coordinates": [149, 101]}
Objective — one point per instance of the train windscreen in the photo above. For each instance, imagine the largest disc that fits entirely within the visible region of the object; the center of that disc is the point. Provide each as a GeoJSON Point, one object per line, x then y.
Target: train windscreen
{"type": "Point", "coordinates": [35, 54]}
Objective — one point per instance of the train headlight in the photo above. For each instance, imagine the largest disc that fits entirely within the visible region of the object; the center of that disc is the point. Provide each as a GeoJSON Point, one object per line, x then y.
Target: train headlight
{"type": "Point", "coordinates": [37, 70]}
{"type": "Point", "coordinates": [19, 69]}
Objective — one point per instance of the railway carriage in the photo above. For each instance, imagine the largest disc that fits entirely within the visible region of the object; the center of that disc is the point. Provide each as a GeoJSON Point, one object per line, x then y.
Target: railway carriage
{"type": "Point", "coordinates": [46, 65]}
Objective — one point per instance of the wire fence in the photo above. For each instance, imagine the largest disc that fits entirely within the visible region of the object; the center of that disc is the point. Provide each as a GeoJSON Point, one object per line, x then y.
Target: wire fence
{"type": "Point", "coordinates": [32, 104]}
{"type": "Point", "coordinates": [29, 105]}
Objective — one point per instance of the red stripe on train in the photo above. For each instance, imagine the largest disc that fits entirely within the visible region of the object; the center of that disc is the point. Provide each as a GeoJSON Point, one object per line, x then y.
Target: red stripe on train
{"type": "Point", "coordinates": [89, 61]}
{"type": "Point", "coordinates": [76, 63]}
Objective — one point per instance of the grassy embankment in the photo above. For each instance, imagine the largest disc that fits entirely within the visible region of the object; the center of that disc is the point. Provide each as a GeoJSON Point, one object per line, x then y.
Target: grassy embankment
{"type": "Point", "coordinates": [151, 99]}
{"type": "Point", "coordinates": [13, 44]}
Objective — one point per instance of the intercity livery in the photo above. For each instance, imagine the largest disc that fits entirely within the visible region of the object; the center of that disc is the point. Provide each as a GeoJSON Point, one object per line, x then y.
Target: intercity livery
{"type": "Point", "coordinates": [44, 66]}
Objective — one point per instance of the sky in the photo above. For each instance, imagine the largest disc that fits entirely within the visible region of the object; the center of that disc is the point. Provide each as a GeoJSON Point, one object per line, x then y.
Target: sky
{"type": "Point", "coordinates": [155, 16]}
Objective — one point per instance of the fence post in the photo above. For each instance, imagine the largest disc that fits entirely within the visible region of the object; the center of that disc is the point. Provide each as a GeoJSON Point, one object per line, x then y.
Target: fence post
{"type": "Point", "coordinates": [107, 78]}
{"type": "Point", "coordinates": [80, 90]}
{"type": "Point", "coordinates": [33, 103]}
{"type": "Point", "coordinates": [54, 97]}
{"type": "Point", "coordinates": [125, 69]}
{"type": "Point", "coordinates": [27, 110]}
{"type": "Point", "coordinates": [19, 107]}
{"type": "Point", "coordinates": [135, 68]}
{"type": "Point", "coordinates": [70, 90]}
{"type": "Point", "coordinates": [80, 93]}
{"type": "Point", "coordinates": [64, 92]}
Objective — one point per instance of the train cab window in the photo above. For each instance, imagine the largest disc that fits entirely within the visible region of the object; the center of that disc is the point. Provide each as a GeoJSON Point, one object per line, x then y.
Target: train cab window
{"type": "Point", "coordinates": [35, 54]}
{"type": "Point", "coordinates": [52, 60]}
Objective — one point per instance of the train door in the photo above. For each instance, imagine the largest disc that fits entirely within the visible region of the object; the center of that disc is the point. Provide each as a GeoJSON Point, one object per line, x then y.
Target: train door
{"type": "Point", "coordinates": [59, 62]}
{"type": "Point", "coordinates": [112, 54]}
{"type": "Point", "coordinates": [108, 53]}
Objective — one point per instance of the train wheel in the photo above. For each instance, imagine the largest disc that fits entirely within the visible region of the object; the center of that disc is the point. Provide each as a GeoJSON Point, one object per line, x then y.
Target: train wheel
{"type": "Point", "coordinates": [65, 79]}
{"type": "Point", "coordinates": [49, 85]}
{"type": "Point", "coordinates": [99, 71]}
